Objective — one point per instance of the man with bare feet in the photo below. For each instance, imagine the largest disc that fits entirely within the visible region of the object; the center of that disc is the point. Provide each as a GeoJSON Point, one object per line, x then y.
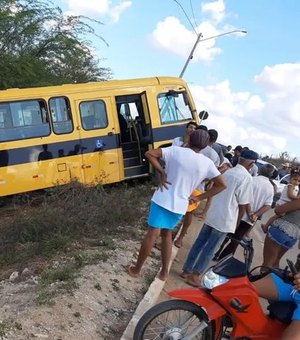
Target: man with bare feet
{"type": "Point", "coordinates": [184, 170]}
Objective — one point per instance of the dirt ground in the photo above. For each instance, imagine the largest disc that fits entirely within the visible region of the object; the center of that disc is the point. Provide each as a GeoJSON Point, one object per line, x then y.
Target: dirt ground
{"type": "Point", "coordinates": [97, 304]}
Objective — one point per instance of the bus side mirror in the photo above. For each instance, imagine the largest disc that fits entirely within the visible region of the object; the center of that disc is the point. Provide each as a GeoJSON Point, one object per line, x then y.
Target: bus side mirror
{"type": "Point", "coordinates": [203, 115]}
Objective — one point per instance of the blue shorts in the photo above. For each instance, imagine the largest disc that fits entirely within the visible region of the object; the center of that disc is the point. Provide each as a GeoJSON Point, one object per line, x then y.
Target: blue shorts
{"type": "Point", "coordinates": [162, 218]}
{"type": "Point", "coordinates": [281, 238]}
{"type": "Point", "coordinates": [286, 293]}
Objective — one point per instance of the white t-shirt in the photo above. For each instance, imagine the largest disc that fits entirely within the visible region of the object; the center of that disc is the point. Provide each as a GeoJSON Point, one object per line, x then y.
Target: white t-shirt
{"type": "Point", "coordinates": [178, 141]}
{"type": "Point", "coordinates": [211, 154]}
{"type": "Point", "coordinates": [185, 170]}
{"type": "Point", "coordinates": [284, 198]}
{"type": "Point", "coordinates": [223, 212]}
{"type": "Point", "coordinates": [262, 194]}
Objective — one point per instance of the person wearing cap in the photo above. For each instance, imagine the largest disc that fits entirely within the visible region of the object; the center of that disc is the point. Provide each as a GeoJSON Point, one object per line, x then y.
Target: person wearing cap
{"type": "Point", "coordinates": [184, 170]}
{"type": "Point", "coordinates": [223, 216]}
{"type": "Point", "coordinates": [237, 152]}
{"type": "Point", "coordinates": [262, 198]}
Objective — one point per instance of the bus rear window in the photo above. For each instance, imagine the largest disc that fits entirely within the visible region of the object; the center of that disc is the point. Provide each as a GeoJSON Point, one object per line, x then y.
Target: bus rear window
{"type": "Point", "coordinates": [23, 119]}
{"type": "Point", "coordinates": [173, 107]}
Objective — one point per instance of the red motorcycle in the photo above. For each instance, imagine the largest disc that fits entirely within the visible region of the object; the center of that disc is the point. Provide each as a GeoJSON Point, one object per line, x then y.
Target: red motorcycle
{"type": "Point", "coordinates": [226, 306]}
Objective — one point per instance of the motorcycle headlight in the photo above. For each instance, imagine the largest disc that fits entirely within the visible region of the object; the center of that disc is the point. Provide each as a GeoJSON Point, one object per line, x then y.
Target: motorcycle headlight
{"type": "Point", "coordinates": [211, 280]}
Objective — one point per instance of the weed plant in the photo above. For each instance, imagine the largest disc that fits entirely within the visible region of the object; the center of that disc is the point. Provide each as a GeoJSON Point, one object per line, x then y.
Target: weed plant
{"type": "Point", "coordinates": [72, 213]}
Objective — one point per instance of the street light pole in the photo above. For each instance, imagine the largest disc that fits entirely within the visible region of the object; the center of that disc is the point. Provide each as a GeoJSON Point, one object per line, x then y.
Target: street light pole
{"type": "Point", "coordinates": [199, 36]}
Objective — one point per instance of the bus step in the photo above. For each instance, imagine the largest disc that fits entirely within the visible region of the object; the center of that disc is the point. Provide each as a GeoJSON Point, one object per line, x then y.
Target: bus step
{"type": "Point", "coordinates": [129, 145]}
{"type": "Point", "coordinates": [132, 161]}
{"type": "Point", "coordinates": [130, 153]}
{"type": "Point", "coordinates": [135, 171]}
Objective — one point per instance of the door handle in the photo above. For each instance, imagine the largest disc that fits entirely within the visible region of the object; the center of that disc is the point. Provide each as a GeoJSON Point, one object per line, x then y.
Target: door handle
{"type": "Point", "coordinates": [110, 134]}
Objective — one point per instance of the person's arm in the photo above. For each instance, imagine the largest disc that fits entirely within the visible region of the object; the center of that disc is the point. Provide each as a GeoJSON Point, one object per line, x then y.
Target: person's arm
{"type": "Point", "coordinates": [290, 193]}
{"type": "Point", "coordinates": [217, 186]}
{"type": "Point", "coordinates": [297, 281]}
{"type": "Point", "coordinates": [261, 211]}
{"type": "Point", "coordinates": [242, 210]}
{"type": "Point", "coordinates": [154, 156]}
{"type": "Point", "coordinates": [287, 207]}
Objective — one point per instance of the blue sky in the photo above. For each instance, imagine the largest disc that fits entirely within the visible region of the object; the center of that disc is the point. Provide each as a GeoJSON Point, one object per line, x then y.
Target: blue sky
{"type": "Point", "coordinates": [250, 84]}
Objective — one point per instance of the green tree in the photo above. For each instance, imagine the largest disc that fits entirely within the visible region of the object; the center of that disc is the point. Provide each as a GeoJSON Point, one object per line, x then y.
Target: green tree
{"type": "Point", "coordinates": [40, 46]}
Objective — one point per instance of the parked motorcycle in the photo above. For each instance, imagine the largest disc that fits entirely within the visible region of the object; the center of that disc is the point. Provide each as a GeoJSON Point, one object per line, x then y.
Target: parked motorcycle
{"type": "Point", "coordinates": [226, 306]}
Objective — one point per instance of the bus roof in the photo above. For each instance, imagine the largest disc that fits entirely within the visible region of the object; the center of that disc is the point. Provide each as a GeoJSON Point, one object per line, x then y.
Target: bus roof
{"type": "Point", "coordinates": [103, 85]}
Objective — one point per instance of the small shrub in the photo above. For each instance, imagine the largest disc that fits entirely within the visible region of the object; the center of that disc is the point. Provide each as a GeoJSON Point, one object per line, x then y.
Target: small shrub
{"type": "Point", "coordinates": [4, 328]}
{"type": "Point", "coordinates": [64, 273]}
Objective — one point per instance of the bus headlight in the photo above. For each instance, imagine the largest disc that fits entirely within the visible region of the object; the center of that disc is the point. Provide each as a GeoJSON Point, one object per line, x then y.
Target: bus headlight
{"type": "Point", "coordinates": [211, 280]}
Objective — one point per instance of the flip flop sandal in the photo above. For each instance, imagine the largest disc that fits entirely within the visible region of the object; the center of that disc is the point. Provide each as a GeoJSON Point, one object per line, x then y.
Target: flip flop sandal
{"type": "Point", "coordinates": [129, 271]}
{"type": "Point", "coordinates": [192, 283]}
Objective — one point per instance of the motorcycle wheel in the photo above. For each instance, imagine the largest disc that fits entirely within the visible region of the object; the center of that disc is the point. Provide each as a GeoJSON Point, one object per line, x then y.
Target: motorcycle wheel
{"type": "Point", "coordinates": [173, 320]}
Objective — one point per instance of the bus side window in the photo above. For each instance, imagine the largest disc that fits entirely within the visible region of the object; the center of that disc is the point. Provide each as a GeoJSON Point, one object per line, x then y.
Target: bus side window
{"type": "Point", "coordinates": [61, 115]}
{"type": "Point", "coordinates": [93, 114]}
{"type": "Point", "coordinates": [23, 119]}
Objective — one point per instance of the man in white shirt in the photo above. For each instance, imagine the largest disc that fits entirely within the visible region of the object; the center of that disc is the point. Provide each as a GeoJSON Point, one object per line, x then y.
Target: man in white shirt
{"type": "Point", "coordinates": [209, 151]}
{"type": "Point", "coordinates": [184, 140]}
{"type": "Point", "coordinates": [262, 198]}
{"type": "Point", "coordinates": [223, 216]}
{"type": "Point", "coordinates": [184, 170]}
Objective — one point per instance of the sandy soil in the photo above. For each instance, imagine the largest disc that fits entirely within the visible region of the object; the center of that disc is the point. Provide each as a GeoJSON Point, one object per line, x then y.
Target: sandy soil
{"type": "Point", "coordinates": [99, 307]}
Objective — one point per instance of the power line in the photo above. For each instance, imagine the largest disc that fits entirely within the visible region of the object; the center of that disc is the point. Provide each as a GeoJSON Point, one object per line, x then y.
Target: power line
{"type": "Point", "coordinates": [179, 4]}
{"type": "Point", "coordinates": [192, 9]}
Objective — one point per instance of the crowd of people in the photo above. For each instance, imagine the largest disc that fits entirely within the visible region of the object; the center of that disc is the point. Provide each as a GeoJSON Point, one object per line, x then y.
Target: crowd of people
{"type": "Point", "coordinates": [235, 194]}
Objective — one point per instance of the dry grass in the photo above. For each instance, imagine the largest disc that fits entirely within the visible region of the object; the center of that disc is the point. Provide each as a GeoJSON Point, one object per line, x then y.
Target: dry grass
{"type": "Point", "coordinates": [69, 216]}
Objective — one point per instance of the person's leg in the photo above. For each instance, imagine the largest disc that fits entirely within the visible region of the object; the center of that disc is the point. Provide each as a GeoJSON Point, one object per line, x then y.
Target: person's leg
{"type": "Point", "coordinates": [166, 251]}
{"type": "Point", "coordinates": [213, 241]}
{"type": "Point", "coordinates": [280, 254]}
{"type": "Point", "coordinates": [241, 230]}
{"type": "Point", "coordinates": [145, 250]}
{"type": "Point", "coordinates": [196, 249]}
{"type": "Point", "coordinates": [266, 288]}
{"type": "Point", "coordinates": [292, 332]}
{"type": "Point", "coordinates": [220, 250]}
{"type": "Point", "coordinates": [187, 220]}
{"type": "Point", "coordinates": [271, 252]}
{"type": "Point", "coordinates": [277, 242]}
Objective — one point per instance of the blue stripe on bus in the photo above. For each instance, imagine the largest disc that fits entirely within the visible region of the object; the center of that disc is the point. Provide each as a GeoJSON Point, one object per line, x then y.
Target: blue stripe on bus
{"type": "Point", "coordinates": [78, 146]}
{"type": "Point", "coordinates": [58, 150]}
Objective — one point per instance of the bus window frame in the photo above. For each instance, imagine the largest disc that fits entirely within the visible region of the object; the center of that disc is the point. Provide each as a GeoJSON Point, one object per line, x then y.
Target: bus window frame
{"type": "Point", "coordinates": [81, 118]}
{"type": "Point", "coordinates": [46, 117]}
{"type": "Point", "coordinates": [70, 114]}
{"type": "Point", "coordinates": [185, 97]}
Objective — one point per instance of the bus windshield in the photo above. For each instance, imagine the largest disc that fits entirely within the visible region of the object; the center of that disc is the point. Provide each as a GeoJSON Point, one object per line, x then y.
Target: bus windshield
{"type": "Point", "coordinates": [174, 107]}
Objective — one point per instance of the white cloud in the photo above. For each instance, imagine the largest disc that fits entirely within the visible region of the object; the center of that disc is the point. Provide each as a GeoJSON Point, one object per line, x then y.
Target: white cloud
{"type": "Point", "coordinates": [267, 123]}
{"type": "Point", "coordinates": [102, 7]}
{"type": "Point", "coordinates": [215, 8]}
{"type": "Point", "coordinates": [173, 37]}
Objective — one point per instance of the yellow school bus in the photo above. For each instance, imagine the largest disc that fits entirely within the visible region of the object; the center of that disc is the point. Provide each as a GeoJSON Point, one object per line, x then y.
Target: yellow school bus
{"type": "Point", "coordinates": [93, 132]}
